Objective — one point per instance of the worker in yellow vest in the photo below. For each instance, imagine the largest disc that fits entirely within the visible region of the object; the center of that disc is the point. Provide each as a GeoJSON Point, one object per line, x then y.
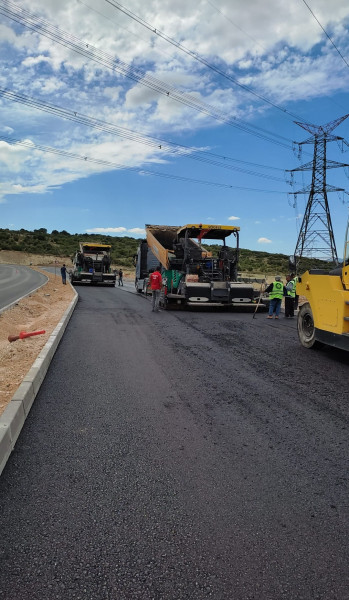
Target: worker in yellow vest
{"type": "Point", "coordinates": [276, 291]}
{"type": "Point", "coordinates": [290, 295]}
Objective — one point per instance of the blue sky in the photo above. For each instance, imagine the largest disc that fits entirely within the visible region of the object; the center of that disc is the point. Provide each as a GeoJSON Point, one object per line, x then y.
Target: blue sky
{"type": "Point", "coordinates": [280, 67]}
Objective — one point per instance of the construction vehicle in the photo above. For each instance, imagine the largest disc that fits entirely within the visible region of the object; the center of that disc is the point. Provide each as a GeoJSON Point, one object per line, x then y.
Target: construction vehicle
{"type": "Point", "coordinates": [324, 317]}
{"type": "Point", "coordinates": [144, 261]}
{"type": "Point", "coordinates": [192, 276]}
{"type": "Point", "coordinates": [91, 264]}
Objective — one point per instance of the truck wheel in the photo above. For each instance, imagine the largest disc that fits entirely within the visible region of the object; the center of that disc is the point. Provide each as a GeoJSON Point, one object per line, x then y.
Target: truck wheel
{"type": "Point", "coordinates": [306, 327]}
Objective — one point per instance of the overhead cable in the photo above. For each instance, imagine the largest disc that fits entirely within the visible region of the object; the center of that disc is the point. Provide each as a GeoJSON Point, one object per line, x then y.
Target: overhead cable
{"type": "Point", "coordinates": [47, 149]}
{"type": "Point", "coordinates": [196, 56]}
{"type": "Point", "coordinates": [164, 146]}
{"type": "Point", "coordinates": [325, 32]}
{"type": "Point", "coordinates": [46, 29]}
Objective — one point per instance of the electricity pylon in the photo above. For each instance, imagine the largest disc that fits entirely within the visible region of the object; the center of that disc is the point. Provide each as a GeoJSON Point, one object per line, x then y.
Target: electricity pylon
{"type": "Point", "coordinates": [316, 239]}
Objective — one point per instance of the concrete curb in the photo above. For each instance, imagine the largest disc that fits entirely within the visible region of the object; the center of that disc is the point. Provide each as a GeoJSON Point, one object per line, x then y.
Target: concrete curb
{"type": "Point", "coordinates": [16, 412]}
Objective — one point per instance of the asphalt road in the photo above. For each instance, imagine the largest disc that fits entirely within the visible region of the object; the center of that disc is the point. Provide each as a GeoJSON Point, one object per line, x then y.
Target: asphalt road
{"type": "Point", "coordinates": [16, 281]}
{"type": "Point", "coordinates": [179, 455]}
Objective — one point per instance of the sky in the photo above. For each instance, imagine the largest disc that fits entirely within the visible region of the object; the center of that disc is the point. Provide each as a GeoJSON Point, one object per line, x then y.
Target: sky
{"type": "Point", "coordinates": [170, 112]}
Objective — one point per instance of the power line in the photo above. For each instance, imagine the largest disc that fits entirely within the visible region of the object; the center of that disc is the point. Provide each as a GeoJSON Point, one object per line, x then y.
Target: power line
{"type": "Point", "coordinates": [196, 56]}
{"type": "Point", "coordinates": [129, 134]}
{"type": "Point", "coordinates": [263, 48]}
{"type": "Point", "coordinates": [235, 25]}
{"type": "Point", "coordinates": [326, 34]}
{"type": "Point", "coordinates": [46, 29]}
{"type": "Point", "coordinates": [48, 149]}
{"type": "Point", "coordinates": [142, 171]}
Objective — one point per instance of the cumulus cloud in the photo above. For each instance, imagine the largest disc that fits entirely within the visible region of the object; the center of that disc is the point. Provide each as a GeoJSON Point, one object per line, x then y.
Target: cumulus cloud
{"type": "Point", "coordinates": [279, 51]}
{"type": "Point", "coordinates": [264, 240]}
{"type": "Point", "coordinates": [30, 61]}
{"type": "Point", "coordinates": [233, 218]}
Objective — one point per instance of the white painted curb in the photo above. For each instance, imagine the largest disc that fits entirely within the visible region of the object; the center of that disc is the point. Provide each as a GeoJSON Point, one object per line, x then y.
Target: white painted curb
{"type": "Point", "coordinates": [16, 412]}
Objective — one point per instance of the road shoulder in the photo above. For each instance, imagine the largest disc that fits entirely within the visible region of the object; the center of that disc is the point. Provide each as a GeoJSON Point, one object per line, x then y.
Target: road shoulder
{"type": "Point", "coordinates": [52, 310]}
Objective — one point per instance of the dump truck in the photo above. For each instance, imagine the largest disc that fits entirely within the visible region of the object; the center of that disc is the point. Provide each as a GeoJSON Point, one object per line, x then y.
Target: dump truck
{"type": "Point", "coordinates": [192, 276]}
{"type": "Point", "coordinates": [91, 265]}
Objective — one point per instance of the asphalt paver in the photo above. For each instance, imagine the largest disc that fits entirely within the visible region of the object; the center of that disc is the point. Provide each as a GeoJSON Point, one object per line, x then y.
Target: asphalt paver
{"type": "Point", "coordinates": [179, 455]}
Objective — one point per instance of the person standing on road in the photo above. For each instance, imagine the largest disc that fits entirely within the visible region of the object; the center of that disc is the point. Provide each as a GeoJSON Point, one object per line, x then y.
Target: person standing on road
{"type": "Point", "coordinates": [120, 277]}
{"type": "Point", "coordinates": [155, 279]}
{"type": "Point", "coordinates": [276, 293]}
{"type": "Point", "coordinates": [296, 297]}
{"type": "Point", "coordinates": [64, 274]}
{"type": "Point", "coordinates": [290, 295]}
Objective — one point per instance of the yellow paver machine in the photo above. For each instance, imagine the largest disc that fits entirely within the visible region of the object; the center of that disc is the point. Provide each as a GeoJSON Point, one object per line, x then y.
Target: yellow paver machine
{"type": "Point", "coordinates": [193, 275]}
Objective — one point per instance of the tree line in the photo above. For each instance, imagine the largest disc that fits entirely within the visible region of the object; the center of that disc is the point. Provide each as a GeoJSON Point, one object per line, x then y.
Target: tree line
{"type": "Point", "coordinates": [63, 244]}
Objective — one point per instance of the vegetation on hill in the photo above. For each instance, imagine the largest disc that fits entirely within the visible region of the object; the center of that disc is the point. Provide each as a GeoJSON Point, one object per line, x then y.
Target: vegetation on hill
{"type": "Point", "coordinates": [62, 243]}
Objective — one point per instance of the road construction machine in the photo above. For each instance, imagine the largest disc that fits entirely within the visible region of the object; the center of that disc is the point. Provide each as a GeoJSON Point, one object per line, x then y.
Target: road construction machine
{"type": "Point", "coordinates": [91, 265]}
{"type": "Point", "coordinates": [192, 276]}
{"type": "Point", "coordinates": [144, 261]}
{"type": "Point", "coordinates": [324, 317]}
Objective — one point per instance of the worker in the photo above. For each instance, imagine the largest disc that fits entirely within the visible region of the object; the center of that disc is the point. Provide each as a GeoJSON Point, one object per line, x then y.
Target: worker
{"type": "Point", "coordinates": [64, 274]}
{"type": "Point", "coordinates": [120, 277]}
{"type": "Point", "coordinates": [155, 279]}
{"type": "Point", "coordinates": [290, 295]}
{"type": "Point", "coordinates": [276, 292]}
{"type": "Point", "coordinates": [296, 298]}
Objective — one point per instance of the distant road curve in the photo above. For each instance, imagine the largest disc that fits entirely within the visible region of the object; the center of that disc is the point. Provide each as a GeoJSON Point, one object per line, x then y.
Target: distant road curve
{"type": "Point", "coordinates": [17, 281]}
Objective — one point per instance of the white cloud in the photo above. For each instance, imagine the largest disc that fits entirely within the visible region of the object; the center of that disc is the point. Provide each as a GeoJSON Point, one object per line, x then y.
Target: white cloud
{"type": "Point", "coordinates": [233, 218]}
{"type": "Point", "coordinates": [110, 230]}
{"type": "Point", "coordinates": [30, 61]}
{"type": "Point", "coordinates": [6, 129]}
{"type": "Point", "coordinates": [106, 230]}
{"type": "Point", "coordinates": [279, 50]}
{"type": "Point", "coordinates": [264, 240]}
{"type": "Point", "coordinates": [138, 230]}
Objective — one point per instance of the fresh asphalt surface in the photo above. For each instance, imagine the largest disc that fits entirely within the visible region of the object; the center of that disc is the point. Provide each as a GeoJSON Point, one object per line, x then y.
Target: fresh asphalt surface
{"type": "Point", "coordinates": [179, 455]}
{"type": "Point", "coordinates": [16, 281]}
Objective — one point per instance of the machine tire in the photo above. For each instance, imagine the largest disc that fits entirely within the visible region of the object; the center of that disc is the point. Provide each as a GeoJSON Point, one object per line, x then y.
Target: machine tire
{"type": "Point", "coordinates": [306, 327]}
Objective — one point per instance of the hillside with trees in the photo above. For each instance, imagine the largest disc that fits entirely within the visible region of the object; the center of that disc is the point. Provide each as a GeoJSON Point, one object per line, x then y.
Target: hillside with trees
{"type": "Point", "coordinates": [62, 244]}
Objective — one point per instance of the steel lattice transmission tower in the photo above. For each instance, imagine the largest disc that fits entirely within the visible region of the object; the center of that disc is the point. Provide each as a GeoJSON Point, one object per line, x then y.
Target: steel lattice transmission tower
{"type": "Point", "coordinates": [316, 239]}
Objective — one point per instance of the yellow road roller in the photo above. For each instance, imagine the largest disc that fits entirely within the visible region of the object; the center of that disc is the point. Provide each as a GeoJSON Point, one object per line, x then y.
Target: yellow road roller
{"type": "Point", "coordinates": [324, 317]}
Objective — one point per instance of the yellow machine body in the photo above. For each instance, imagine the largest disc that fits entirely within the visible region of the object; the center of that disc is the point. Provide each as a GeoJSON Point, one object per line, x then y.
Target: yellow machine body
{"type": "Point", "coordinates": [327, 295]}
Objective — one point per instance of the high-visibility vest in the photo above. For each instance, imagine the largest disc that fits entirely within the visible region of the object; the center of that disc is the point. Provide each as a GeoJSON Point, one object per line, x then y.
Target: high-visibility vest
{"type": "Point", "coordinates": [295, 285]}
{"type": "Point", "coordinates": [291, 291]}
{"type": "Point", "coordinates": [277, 291]}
